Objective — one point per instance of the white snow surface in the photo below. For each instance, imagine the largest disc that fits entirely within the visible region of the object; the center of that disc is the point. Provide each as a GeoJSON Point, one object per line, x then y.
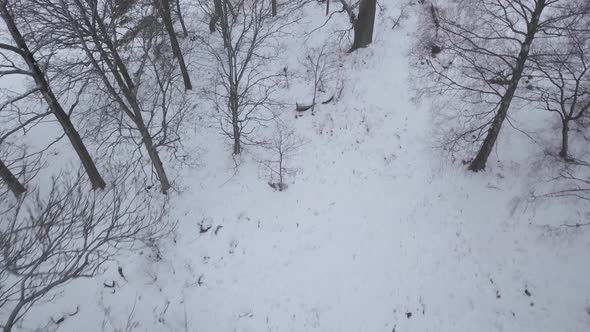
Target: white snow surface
{"type": "Point", "coordinates": [376, 231]}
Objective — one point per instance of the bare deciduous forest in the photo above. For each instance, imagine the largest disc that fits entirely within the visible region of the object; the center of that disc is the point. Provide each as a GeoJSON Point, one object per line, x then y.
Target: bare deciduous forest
{"type": "Point", "coordinates": [294, 165]}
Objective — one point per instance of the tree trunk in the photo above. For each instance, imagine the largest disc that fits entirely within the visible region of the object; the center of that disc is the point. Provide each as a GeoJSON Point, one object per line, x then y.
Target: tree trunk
{"type": "Point", "coordinates": [164, 6]}
{"type": "Point", "coordinates": [235, 122]}
{"type": "Point", "coordinates": [564, 139]}
{"type": "Point", "coordinates": [154, 156]}
{"type": "Point", "coordinates": [217, 11]}
{"type": "Point", "coordinates": [54, 105]}
{"type": "Point", "coordinates": [274, 7]}
{"type": "Point", "coordinates": [479, 163]}
{"type": "Point", "coordinates": [435, 19]}
{"type": "Point", "coordinates": [137, 118]}
{"type": "Point", "coordinates": [237, 144]}
{"type": "Point", "coordinates": [315, 95]}
{"type": "Point", "coordinates": [11, 181]}
{"type": "Point", "coordinates": [181, 19]}
{"type": "Point", "coordinates": [363, 25]}
{"type": "Point", "coordinates": [12, 319]}
{"type": "Point", "coordinates": [281, 157]}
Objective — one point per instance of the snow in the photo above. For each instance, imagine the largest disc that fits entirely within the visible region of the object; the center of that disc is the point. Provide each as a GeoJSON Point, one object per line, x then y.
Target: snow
{"type": "Point", "coordinates": [376, 232]}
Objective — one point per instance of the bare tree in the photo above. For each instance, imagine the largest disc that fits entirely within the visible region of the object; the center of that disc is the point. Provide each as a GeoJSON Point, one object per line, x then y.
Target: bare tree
{"type": "Point", "coordinates": [282, 146]}
{"type": "Point", "coordinates": [47, 241]}
{"type": "Point", "coordinates": [321, 68]}
{"type": "Point", "coordinates": [478, 56]}
{"type": "Point", "coordinates": [244, 92]}
{"type": "Point", "coordinates": [166, 14]}
{"type": "Point", "coordinates": [43, 86]}
{"type": "Point", "coordinates": [561, 75]}
{"type": "Point", "coordinates": [95, 30]}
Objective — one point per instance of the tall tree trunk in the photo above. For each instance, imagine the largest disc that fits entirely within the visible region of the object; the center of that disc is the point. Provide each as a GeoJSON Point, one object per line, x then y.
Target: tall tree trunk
{"type": "Point", "coordinates": [164, 6]}
{"type": "Point", "coordinates": [215, 16]}
{"type": "Point", "coordinates": [11, 181]}
{"type": "Point", "coordinates": [130, 96]}
{"type": "Point", "coordinates": [237, 143]}
{"type": "Point", "coordinates": [274, 7]}
{"type": "Point", "coordinates": [363, 24]}
{"type": "Point", "coordinates": [479, 163]}
{"type": "Point", "coordinates": [235, 121]}
{"type": "Point", "coordinates": [564, 138]}
{"type": "Point", "coordinates": [54, 105]}
{"type": "Point", "coordinates": [154, 156]}
{"type": "Point", "coordinates": [181, 19]}
{"type": "Point", "coordinates": [128, 88]}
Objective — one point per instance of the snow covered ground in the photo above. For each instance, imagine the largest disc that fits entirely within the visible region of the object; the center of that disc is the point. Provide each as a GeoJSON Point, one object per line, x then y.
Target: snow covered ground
{"type": "Point", "coordinates": [376, 232]}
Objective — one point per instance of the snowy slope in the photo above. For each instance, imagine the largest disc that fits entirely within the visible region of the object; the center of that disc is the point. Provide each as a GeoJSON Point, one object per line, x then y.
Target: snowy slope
{"type": "Point", "coordinates": [375, 232]}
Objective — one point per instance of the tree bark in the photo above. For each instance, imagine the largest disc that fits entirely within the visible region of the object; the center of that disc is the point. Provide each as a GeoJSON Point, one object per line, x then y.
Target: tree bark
{"type": "Point", "coordinates": [235, 121]}
{"type": "Point", "coordinates": [54, 105]}
{"type": "Point", "coordinates": [237, 144]}
{"type": "Point", "coordinates": [564, 139]}
{"type": "Point", "coordinates": [479, 163]}
{"type": "Point", "coordinates": [11, 181]}
{"type": "Point", "coordinates": [363, 24]}
{"type": "Point", "coordinates": [216, 15]}
{"type": "Point", "coordinates": [154, 156]}
{"type": "Point", "coordinates": [164, 6]}
{"type": "Point", "coordinates": [181, 19]}
{"type": "Point", "coordinates": [274, 7]}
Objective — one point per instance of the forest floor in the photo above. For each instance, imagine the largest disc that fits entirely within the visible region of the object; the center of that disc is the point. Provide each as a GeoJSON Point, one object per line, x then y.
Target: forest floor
{"type": "Point", "coordinates": [376, 231]}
